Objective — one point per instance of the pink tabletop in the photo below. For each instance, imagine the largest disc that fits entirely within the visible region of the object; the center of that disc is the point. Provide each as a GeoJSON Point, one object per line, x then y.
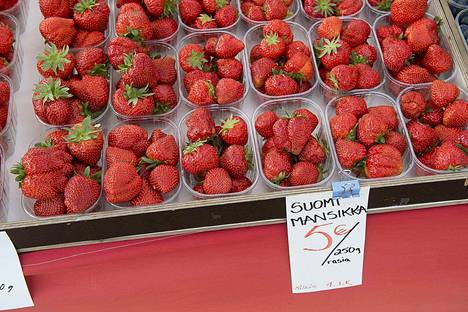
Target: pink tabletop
{"type": "Point", "coordinates": [414, 261]}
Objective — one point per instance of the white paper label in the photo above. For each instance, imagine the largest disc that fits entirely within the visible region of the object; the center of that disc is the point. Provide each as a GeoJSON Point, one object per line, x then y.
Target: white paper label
{"type": "Point", "coordinates": [326, 240]}
{"type": "Point", "coordinates": [14, 292]}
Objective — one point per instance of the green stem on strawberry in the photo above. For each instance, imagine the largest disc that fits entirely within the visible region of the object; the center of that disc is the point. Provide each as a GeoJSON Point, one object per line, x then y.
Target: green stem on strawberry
{"type": "Point", "coordinates": [249, 157]}
{"type": "Point", "coordinates": [160, 108]}
{"type": "Point", "coordinates": [83, 132]}
{"type": "Point", "coordinates": [84, 5]}
{"type": "Point", "coordinates": [352, 135]}
{"type": "Point", "coordinates": [279, 178]}
{"type": "Point", "coordinates": [190, 148]}
{"type": "Point", "coordinates": [51, 90]}
{"type": "Point", "coordinates": [355, 59]}
{"type": "Point", "coordinates": [99, 70]}
{"type": "Point", "coordinates": [20, 173]}
{"type": "Point", "coordinates": [329, 46]}
{"type": "Point", "coordinates": [150, 163]}
{"type": "Point", "coordinates": [169, 8]}
{"type": "Point", "coordinates": [132, 94]}
{"type": "Point", "coordinates": [325, 8]}
{"type": "Point", "coordinates": [384, 5]}
{"type": "Point", "coordinates": [95, 176]}
{"type": "Point", "coordinates": [53, 58]}
{"type": "Point", "coordinates": [133, 34]}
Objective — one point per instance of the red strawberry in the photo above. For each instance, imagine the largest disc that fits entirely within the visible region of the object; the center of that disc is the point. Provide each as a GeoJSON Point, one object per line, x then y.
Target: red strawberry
{"type": "Point", "coordinates": [164, 28]}
{"type": "Point", "coordinates": [130, 137]}
{"type": "Point", "coordinates": [50, 207]}
{"type": "Point", "coordinates": [279, 27]}
{"type": "Point", "coordinates": [50, 99]}
{"type": "Point", "coordinates": [260, 70]}
{"type": "Point", "coordinates": [363, 54]}
{"type": "Point", "coordinates": [166, 69]}
{"type": "Point", "coordinates": [51, 8]}
{"type": "Point", "coordinates": [368, 77]}
{"type": "Point", "coordinates": [255, 53]}
{"type": "Point", "coordinates": [443, 93]}
{"type": "Point", "coordinates": [229, 68]}
{"type": "Point", "coordinates": [57, 30]}
{"type": "Point", "coordinates": [195, 75]}
{"type": "Point", "coordinates": [356, 32]}
{"type": "Point", "coordinates": [255, 13]}
{"type": "Point", "coordinates": [192, 57]}
{"type": "Point", "coordinates": [91, 89]}
{"type": "Point", "coordinates": [118, 47]}
{"type": "Point", "coordinates": [57, 112]}
{"type": "Point", "coordinates": [164, 178]}
{"type": "Point", "coordinates": [304, 112]}
{"type": "Point", "coordinates": [422, 136]}
{"type": "Point", "coordinates": [4, 92]}
{"type": "Point", "coordinates": [264, 123]}
{"type": "Point", "coordinates": [433, 115]}
{"type": "Point", "coordinates": [57, 139]}
{"type": "Point", "coordinates": [456, 114]}
{"type": "Point", "coordinates": [91, 61]}
{"type": "Point", "coordinates": [268, 146]}
{"type": "Point", "coordinates": [86, 38]}
{"type": "Point", "coordinates": [272, 46]}
{"type": "Point", "coordinates": [300, 64]}
{"type": "Point", "coordinates": [383, 160]}
{"type": "Point", "coordinates": [131, 101]}
{"type": "Point", "coordinates": [330, 27]}
{"type": "Point", "coordinates": [395, 53]}
{"type": "Point", "coordinates": [202, 93]}
{"type": "Point", "coordinates": [333, 52]}
{"type": "Point", "coordinates": [240, 184]}
{"type": "Point", "coordinates": [209, 6]}
{"type": "Point", "coordinates": [342, 126]}
{"type": "Point", "coordinates": [281, 84]}
{"type": "Point", "coordinates": [349, 153]}
{"type": "Point", "coordinates": [403, 12]}
{"type": "Point", "coordinates": [234, 130]}
{"type": "Point", "coordinates": [122, 183]}
{"type": "Point", "coordinates": [295, 47]}
{"type": "Point", "coordinates": [164, 150]}
{"type": "Point", "coordinates": [55, 63]}
{"type": "Point", "coordinates": [229, 90]}
{"type": "Point", "coordinates": [446, 133]}
{"type": "Point", "coordinates": [117, 155]}
{"type": "Point", "coordinates": [139, 70]}
{"type": "Point", "coordinates": [199, 157]}
{"type": "Point", "coordinates": [412, 104]}
{"type": "Point", "coordinates": [372, 129]}
{"type": "Point", "coordinates": [217, 181]}
{"type": "Point", "coordinates": [226, 16]}
{"type": "Point", "coordinates": [387, 113]}
{"type": "Point", "coordinates": [200, 125]}
{"type": "Point", "coordinates": [275, 9]}
{"type": "Point", "coordinates": [304, 173]}
{"type": "Point", "coordinates": [132, 22]}
{"type": "Point", "coordinates": [85, 142]}
{"type": "Point", "coordinates": [210, 46]}
{"type": "Point", "coordinates": [414, 74]}
{"type": "Point", "coordinates": [277, 166]}
{"type": "Point", "coordinates": [157, 134]}
{"type": "Point", "coordinates": [44, 185]}
{"type": "Point", "coordinates": [147, 196]}
{"type": "Point", "coordinates": [81, 193]}
{"type": "Point", "coordinates": [393, 31]}
{"type": "Point", "coordinates": [314, 151]}
{"type": "Point", "coordinates": [228, 46]}
{"type": "Point", "coordinates": [397, 140]}
{"type": "Point", "coordinates": [437, 60]}
{"type": "Point", "coordinates": [449, 156]}
{"type": "Point", "coordinates": [39, 160]}
{"type": "Point", "coordinates": [462, 138]}
{"type": "Point", "coordinates": [343, 77]}
{"type": "Point", "coordinates": [421, 34]}
{"type": "Point", "coordinates": [355, 105]}
{"type": "Point", "coordinates": [280, 134]}
{"type": "Point", "coordinates": [237, 160]}
{"type": "Point", "coordinates": [159, 7]}
{"type": "Point", "coordinates": [165, 98]}
{"type": "Point", "coordinates": [91, 15]}
{"type": "Point", "coordinates": [204, 21]}
{"type": "Point", "coordinates": [299, 131]}
{"type": "Point", "coordinates": [189, 10]}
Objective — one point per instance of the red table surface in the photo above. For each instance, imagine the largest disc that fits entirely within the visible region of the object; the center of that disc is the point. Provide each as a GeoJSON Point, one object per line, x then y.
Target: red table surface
{"type": "Point", "coordinates": [414, 261]}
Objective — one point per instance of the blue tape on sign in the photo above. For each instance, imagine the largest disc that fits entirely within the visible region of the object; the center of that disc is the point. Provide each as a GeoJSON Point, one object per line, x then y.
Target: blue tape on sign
{"type": "Point", "coordinates": [346, 189]}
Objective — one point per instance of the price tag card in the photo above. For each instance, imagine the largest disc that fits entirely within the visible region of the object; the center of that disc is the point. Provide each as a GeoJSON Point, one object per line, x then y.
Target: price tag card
{"type": "Point", "coordinates": [14, 292]}
{"type": "Point", "coordinates": [326, 238]}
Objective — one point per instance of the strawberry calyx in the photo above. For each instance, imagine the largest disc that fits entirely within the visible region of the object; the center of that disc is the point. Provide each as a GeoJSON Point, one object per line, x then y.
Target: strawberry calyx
{"type": "Point", "coordinates": [334, 81]}
{"type": "Point", "coordinates": [127, 64]}
{"type": "Point", "coordinates": [325, 8]}
{"type": "Point", "coordinates": [133, 34]}
{"type": "Point", "coordinates": [463, 149]}
{"type": "Point", "coordinates": [169, 8]}
{"type": "Point", "coordinates": [355, 59]}
{"type": "Point", "coordinates": [4, 61]}
{"type": "Point", "coordinates": [190, 148]}
{"type": "Point", "coordinates": [358, 168]}
{"type": "Point", "coordinates": [410, 60]}
{"type": "Point", "coordinates": [321, 171]}
{"type": "Point", "coordinates": [271, 38]}
{"type": "Point", "coordinates": [454, 168]}
{"type": "Point", "coordinates": [205, 18]}
{"type": "Point", "coordinates": [96, 176]}
{"type": "Point", "coordinates": [53, 58]}
{"type": "Point", "coordinates": [18, 170]}
{"type": "Point", "coordinates": [150, 163]}
{"type": "Point", "coordinates": [47, 143]}
{"type": "Point", "coordinates": [279, 178]}
{"type": "Point", "coordinates": [83, 131]}
{"type": "Point", "coordinates": [84, 5]}
{"type": "Point", "coordinates": [438, 22]}
{"type": "Point", "coordinates": [217, 143]}
{"type": "Point", "coordinates": [296, 76]}
{"type": "Point", "coordinates": [160, 108]}
{"type": "Point", "coordinates": [86, 112]}
{"type": "Point", "coordinates": [51, 90]}
{"type": "Point", "coordinates": [323, 145]}
{"type": "Point", "coordinates": [99, 70]}
{"type": "Point", "coordinates": [249, 157]}
{"type": "Point", "coordinates": [352, 135]}
{"type": "Point", "coordinates": [196, 59]}
{"type": "Point", "coordinates": [132, 94]}
{"type": "Point", "coordinates": [384, 5]}
{"type": "Point", "coordinates": [380, 139]}
{"type": "Point", "coordinates": [328, 47]}
{"type": "Point", "coordinates": [228, 124]}
{"type": "Point", "coordinates": [220, 4]}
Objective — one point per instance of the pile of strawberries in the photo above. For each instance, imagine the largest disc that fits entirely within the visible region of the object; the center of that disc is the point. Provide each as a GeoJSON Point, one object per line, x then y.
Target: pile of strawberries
{"type": "Point", "coordinates": [279, 65]}
{"type": "Point", "coordinates": [75, 85]}
{"type": "Point", "coordinates": [217, 156]}
{"type": "Point", "coordinates": [74, 23]}
{"type": "Point", "coordinates": [266, 10]}
{"type": "Point", "coordinates": [291, 155]}
{"type": "Point", "coordinates": [213, 72]}
{"type": "Point", "coordinates": [345, 57]}
{"type": "Point", "coordinates": [7, 39]}
{"type": "Point", "coordinates": [7, 4]}
{"type": "Point", "coordinates": [367, 141]}
{"type": "Point", "coordinates": [147, 78]}
{"type": "Point", "coordinates": [410, 44]}
{"type": "Point", "coordinates": [143, 20]}
{"type": "Point", "coordinates": [4, 103]}
{"type": "Point", "coordinates": [326, 8]}
{"type": "Point", "coordinates": [207, 14]}
{"type": "Point", "coordinates": [61, 173]}
{"type": "Point", "coordinates": [140, 171]}
{"type": "Point", "coordinates": [437, 125]}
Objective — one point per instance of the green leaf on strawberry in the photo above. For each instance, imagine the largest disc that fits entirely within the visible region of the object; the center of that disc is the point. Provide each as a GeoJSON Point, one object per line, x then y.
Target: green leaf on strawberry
{"type": "Point", "coordinates": [84, 5]}
{"type": "Point", "coordinates": [51, 90]}
{"type": "Point", "coordinates": [132, 94]}
{"type": "Point", "coordinates": [53, 58]}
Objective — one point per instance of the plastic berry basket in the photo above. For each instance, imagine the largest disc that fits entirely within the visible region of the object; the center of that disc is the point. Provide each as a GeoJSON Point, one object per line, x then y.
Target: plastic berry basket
{"type": "Point", "coordinates": [420, 168]}
{"type": "Point", "coordinates": [372, 99]}
{"type": "Point", "coordinates": [149, 124]}
{"type": "Point", "coordinates": [200, 39]}
{"type": "Point", "coordinates": [219, 113]}
{"type": "Point", "coordinates": [13, 69]}
{"type": "Point", "coordinates": [161, 49]}
{"type": "Point", "coordinates": [463, 15]}
{"type": "Point", "coordinates": [293, 11]}
{"type": "Point", "coordinates": [394, 86]}
{"type": "Point", "coordinates": [287, 107]}
{"type": "Point", "coordinates": [311, 19]}
{"type": "Point", "coordinates": [10, 105]}
{"type": "Point", "coordinates": [253, 36]}
{"type": "Point", "coordinates": [327, 91]}
{"type": "Point", "coordinates": [20, 12]}
{"type": "Point", "coordinates": [28, 203]}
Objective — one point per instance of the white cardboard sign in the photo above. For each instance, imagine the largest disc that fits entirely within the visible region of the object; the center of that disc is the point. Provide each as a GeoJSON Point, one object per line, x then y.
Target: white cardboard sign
{"type": "Point", "coordinates": [14, 292]}
{"type": "Point", "coordinates": [326, 240]}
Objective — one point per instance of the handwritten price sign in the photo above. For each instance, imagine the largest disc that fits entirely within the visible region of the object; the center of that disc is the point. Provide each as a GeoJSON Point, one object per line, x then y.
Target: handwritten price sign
{"type": "Point", "coordinates": [326, 240]}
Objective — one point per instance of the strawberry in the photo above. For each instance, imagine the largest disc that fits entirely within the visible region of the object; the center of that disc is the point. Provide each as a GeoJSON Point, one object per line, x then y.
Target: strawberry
{"type": "Point", "coordinates": [275, 9]}
{"type": "Point", "coordinates": [147, 196]}
{"type": "Point", "coordinates": [268, 146]}
{"type": "Point", "coordinates": [272, 46]}
{"type": "Point", "coordinates": [348, 7]}
{"type": "Point", "coordinates": [397, 140]}
{"type": "Point", "coordinates": [314, 151]}
{"type": "Point", "coordinates": [404, 12]}
{"type": "Point", "coordinates": [91, 15]}
{"type": "Point", "coordinates": [210, 46]}
{"type": "Point", "coordinates": [50, 99]}
{"type": "Point", "coordinates": [349, 153]}
{"type": "Point", "coordinates": [58, 112]}
{"type": "Point", "coordinates": [229, 90]}
{"type": "Point", "coordinates": [91, 61]}
{"type": "Point", "coordinates": [422, 136]}
{"type": "Point", "coordinates": [139, 70]}
{"type": "Point", "coordinates": [280, 134]}
{"type": "Point", "coordinates": [164, 178]}
{"type": "Point", "coordinates": [433, 116]}
{"type": "Point", "coordinates": [364, 53]}
{"type": "Point", "coordinates": [121, 183]}
{"type": "Point", "coordinates": [43, 186]}
{"type": "Point", "coordinates": [240, 184]}
{"type": "Point", "coordinates": [446, 133]}
{"type": "Point", "coordinates": [443, 93]}
{"type": "Point", "coordinates": [195, 75]}
{"type": "Point", "coordinates": [234, 130]}
{"type": "Point", "coordinates": [393, 31]}
{"type": "Point", "coordinates": [412, 104]}
{"type": "Point", "coordinates": [414, 74]}
{"type": "Point", "coordinates": [281, 84]}
{"type": "Point", "coordinates": [343, 77]}
{"type": "Point", "coordinates": [217, 181]}
{"type": "Point", "coordinates": [118, 47]}
{"type": "Point", "coordinates": [85, 142]}
{"type": "Point", "coordinates": [191, 57]}
{"type": "Point", "coordinates": [236, 160]}
{"type": "Point", "coordinates": [163, 150]}
{"type": "Point", "coordinates": [387, 114]}
{"type": "Point", "coordinates": [91, 89]}
{"type": "Point", "coordinates": [164, 28]}
{"type": "Point", "coordinates": [355, 105]}
{"type": "Point", "coordinates": [79, 111]}
{"type": "Point", "coordinates": [255, 13]}
{"type": "Point", "coordinates": [204, 21]}
{"type": "Point", "coordinates": [255, 53]}
{"type": "Point", "coordinates": [199, 157]}
{"type": "Point", "coordinates": [130, 137]}
{"type": "Point", "coordinates": [277, 166]}
{"type": "Point", "coordinates": [372, 129]}
{"type": "Point", "coordinates": [330, 27]}
{"type": "Point", "coordinates": [202, 93]}
{"type": "Point", "coordinates": [4, 92]}
{"type": "Point", "coordinates": [228, 46]}
{"type": "Point", "coordinates": [55, 63]}
{"type": "Point", "coordinates": [131, 101]}
{"type": "Point", "coordinates": [421, 34]}
{"type": "Point", "coordinates": [342, 126]}
{"type": "Point", "coordinates": [304, 173]}
{"type": "Point", "coordinates": [264, 124]}
{"type": "Point", "coordinates": [226, 16]}
{"type": "Point", "coordinates": [383, 160]}
{"type": "Point", "coordinates": [132, 22]}
{"type": "Point", "coordinates": [40, 159]}
{"type": "Point", "coordinates": [333, 52]}
{"type": "Point", "coordinates": [165, 98]}
{"type": "Point", "coordinates": [57, 30]}
{"type": "Point", "coordinates": [456, 114]}
{"type": "Point", "coordinates": [118, 155]}
{"type": "Point", "coordinates": [51, 8]}
{"type": "Point", "coordinates": [229, 68]}
{"type": "Point", "coordinates": [260, 70]}
{"type": "Point", "coordinates": [50, 207]}
{"type": "Point", "coordinates": [299, 130]}
{"type": "Point", "coordinates": [81, 193]}
{"type": "Point", "coordinates": [209, 6]}
{"type": "Point", "coordinates": [279, 27]}
{"type": "Point", "coordinates": [462, 138]}
{"type": "Point", "coordinates": [57, 139]}
{"type": "Point", "coordinates": [199, 189]}
{"type": "Point", "coordinates": [165, 66]}
{"type": "Point", "coordinates": [356, 32]}
{"type": "Point", "coordinates": [159, 7]}
{"type": "Point", "coordinates": [86, 38]}
{"type": "Point", "coordinates": [396, 53]}
{"type": "Point", "coordinates": [304, 112]}
{"type": "Point", "coordinates": [300, 64]}
{"type": "Point", "coordinates": [157, 134]}
{"type": "Point", "coordinates": [189, 10]}
{"type": "Point", "coordinates": [295, 47]}
{"type": "Point", "coordinates": [368, 77]}
{"type": "Point", "coordinates": [449, 156]}
{"type": "Point", "coordinates": [437, 60]}
{"type": "Point", "coordinates": [200, 125]}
